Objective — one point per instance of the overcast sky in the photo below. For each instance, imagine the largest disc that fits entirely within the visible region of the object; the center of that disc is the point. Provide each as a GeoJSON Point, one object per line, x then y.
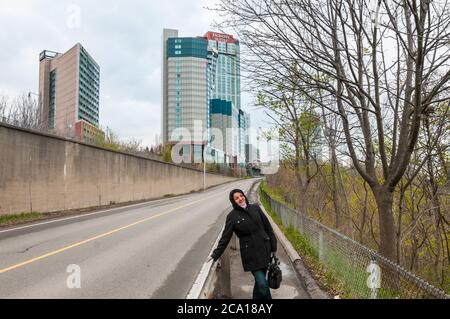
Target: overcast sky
{"type": "Point", "coordinates": [124, 37]}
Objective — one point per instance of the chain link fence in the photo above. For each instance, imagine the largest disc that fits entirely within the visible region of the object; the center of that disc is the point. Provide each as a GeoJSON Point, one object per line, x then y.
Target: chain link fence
{"type": "Point", "coordinates": [364, 272]}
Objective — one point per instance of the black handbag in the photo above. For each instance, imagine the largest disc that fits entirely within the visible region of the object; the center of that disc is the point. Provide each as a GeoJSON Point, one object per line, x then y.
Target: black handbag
{"type": "Point", "coordinates": [274, 276]}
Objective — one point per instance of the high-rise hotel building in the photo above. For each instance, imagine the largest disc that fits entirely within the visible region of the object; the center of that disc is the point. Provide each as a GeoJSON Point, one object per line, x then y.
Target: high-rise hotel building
{"type": "Point", "coordinates": [201, 82]}
{"type": "Point", "coordinates": [185, 92]}
{"type": "Point", "coordinates": [69, 88]}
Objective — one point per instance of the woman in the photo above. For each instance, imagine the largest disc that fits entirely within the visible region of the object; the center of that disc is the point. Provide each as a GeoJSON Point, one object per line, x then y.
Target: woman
{"type": "Point", "coordinates": [256, 239]}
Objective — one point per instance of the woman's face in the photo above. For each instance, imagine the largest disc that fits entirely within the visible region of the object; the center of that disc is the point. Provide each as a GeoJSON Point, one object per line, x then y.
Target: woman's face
{"type": "Point", "coordinates": [239, 199]}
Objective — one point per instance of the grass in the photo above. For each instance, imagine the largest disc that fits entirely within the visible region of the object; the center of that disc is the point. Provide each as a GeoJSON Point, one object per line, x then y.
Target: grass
{"type": "Point", "coordinates": [21, 217]}
{"type": "Point", "coordinates": [274, 194]}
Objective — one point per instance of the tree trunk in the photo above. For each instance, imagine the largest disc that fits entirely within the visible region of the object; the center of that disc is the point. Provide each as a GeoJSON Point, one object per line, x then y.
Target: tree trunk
{"type": "Point", "coordinates": [437, 234]}
{"type": "Point", "coordinates": [415, 241]}
{"type": "Point", "coordinates": [436, 207]}
{"type": "Point", "coordinates": [364, 214]}
{"type": "Point", "coordinates": [399, 223]}
{"type": "Point", "coordinates": [384, 199]}
{"type": "Point", "coordinates": [388, 246]}
{"type": "Point", "coordinates": [337, 220]}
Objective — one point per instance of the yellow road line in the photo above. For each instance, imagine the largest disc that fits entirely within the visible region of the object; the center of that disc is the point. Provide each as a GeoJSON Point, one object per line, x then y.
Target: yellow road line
{"type": "Point", "coordinates": [97, 237]}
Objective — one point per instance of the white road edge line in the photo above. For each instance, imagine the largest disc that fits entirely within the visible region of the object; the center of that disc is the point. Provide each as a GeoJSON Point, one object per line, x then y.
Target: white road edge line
{"type": "Point", "coordinates": [199, 282]}
{"type": "Point", "coordinates": [78, 216]}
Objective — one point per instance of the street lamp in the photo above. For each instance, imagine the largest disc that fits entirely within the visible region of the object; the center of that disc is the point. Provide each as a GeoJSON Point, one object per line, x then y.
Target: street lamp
{"type": "Point", "coordinates": [69, 131]}
{"type": "Point", "coordinates": [39, 105]}
{"type": "Point", "coordinates": [204, 168]}
{"type": "Point", "coordinates": [204, 160]}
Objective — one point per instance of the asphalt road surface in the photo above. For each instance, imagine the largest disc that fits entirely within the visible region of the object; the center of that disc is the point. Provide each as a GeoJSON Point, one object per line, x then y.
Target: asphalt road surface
{"type": "Point", "coordinates": [149, 250]}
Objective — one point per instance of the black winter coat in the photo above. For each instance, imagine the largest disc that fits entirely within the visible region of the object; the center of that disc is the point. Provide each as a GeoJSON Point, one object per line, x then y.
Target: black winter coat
{"type": "Point", "coordinates": [256, 237]}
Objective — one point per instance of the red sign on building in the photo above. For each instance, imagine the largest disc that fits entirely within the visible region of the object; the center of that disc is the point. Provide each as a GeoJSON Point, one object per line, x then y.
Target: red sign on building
{"type": "Point", "coordinates": [222, 37]}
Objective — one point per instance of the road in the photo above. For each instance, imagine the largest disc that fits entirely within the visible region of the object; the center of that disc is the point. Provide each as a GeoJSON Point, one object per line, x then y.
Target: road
{"type": "Point", "coordinates": [150, 250]}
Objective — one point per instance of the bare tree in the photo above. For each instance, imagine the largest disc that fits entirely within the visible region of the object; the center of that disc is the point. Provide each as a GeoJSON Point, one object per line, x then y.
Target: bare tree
{"type": "Point", "coordinates": [3, 107]}
{"type": "Point", "coordinates": [374, 58]}
{"type": "Point", "coordinates": [23, 111]}
{"type": "Point", "coordinates": [133, 145]}
{"type": "Point", "coordinates": [298, 126]}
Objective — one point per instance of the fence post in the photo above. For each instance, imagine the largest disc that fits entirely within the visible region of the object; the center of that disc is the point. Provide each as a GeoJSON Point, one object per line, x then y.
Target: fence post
{"type": "Point", "coordinates": [320, 244]}
{"type": "Point", "coordinates": [294, 219]}
{"type": "Point", "coordinates": [374, 279]}
{"type": "Point", "coordinates": [302, 229]}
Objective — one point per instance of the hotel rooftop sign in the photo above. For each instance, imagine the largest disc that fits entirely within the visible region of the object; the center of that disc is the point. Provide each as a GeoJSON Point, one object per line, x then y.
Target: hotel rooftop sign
{"type": "Point", "coordinates": [222, 37]}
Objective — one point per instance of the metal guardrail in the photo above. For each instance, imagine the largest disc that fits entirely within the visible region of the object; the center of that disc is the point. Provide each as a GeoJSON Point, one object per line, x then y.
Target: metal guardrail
{"type": "Point", "coordinates": [363, 272]}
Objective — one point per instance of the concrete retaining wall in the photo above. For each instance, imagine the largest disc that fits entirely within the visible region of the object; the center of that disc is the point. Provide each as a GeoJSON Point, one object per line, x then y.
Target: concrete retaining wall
{"type": "Point", "coordinates": [44, 173]}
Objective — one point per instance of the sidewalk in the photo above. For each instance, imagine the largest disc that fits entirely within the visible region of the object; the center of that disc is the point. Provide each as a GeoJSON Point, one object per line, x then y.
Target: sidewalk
{"type": "Point", "coordinates": [242, 282]}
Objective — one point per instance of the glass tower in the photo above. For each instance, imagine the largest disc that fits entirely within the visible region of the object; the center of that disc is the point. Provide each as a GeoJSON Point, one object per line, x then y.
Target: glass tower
{"type": "Point", "coordinates": [187, 88]}
{"type": "Point", "coordinates": [201, 82]}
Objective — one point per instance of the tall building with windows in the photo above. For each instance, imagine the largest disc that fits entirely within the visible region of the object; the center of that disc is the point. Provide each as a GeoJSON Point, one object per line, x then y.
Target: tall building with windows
{"type": "Point", "coordinates": [187, 84]}
{"type": "Point", "coordinates": [224, 117]}
{"type": "Point", "coordinates": [227, 85]}
{"type": "Point", "coordinates": [69, 88]}
{"type": "Point", "coordinates": [227, 88]}
{"type": "Point", "coordinates": [185, 92]}
{"type": "Point", "coordinates": [244, 139]}
{"type": "Point", "coordinates": [167, 33]}
{"type": "Point", "coordinates": [201, 82]}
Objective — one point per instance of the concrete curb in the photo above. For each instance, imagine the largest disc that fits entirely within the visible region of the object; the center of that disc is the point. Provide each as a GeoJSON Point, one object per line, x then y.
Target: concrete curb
{"type": "Point", "coordinates": [204, 285]}
{"type": "Point", "coordinates": [310, 285]}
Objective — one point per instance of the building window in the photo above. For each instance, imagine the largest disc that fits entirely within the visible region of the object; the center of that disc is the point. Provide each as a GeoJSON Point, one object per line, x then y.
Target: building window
{"type": "Point", "coordinates": [51, 107]}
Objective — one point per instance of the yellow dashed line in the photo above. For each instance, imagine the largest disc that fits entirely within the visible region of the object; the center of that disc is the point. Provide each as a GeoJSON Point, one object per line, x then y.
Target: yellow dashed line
{"type": "Point", "coordinates": [27, 262]}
